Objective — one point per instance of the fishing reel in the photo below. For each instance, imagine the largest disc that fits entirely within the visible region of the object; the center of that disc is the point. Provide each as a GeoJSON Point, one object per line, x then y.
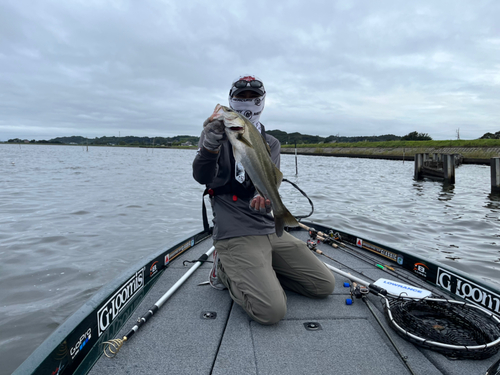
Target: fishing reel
{"type": "Point", "coordinates": [313, 233]}
{"type": "Point", "coordinates": [336, 236]}
{"type": "Point", "coordinates": [358, 291]}
{"type": "Point", "coordinates": [313, 240]}
{"type": "Point", "coordinates": [312, 244]}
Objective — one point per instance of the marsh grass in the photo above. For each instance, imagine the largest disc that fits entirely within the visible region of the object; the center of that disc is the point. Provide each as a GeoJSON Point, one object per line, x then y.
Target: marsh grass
{"type": "Point", "coordinates": [406, 144]}
{"type": "Point", "coordinates": [473, 149]}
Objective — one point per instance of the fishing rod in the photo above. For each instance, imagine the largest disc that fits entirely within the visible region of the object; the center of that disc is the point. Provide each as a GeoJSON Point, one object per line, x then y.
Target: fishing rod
{"type": "Point", "coordinates": [494, 369]}
{"type": "Point", "coordinates": [438, 324]}
{"type": "Point", "coordinates": [358, 291]}
{"type": "Point", "coordinates": [333, 241]}
{"type": "Point", "coordinates": [112, 347]}
{"type": "Point", "coordinates": [479, 323]}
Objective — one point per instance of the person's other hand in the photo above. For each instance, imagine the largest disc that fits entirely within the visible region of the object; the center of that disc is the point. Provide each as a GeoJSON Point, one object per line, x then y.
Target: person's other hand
{"type": "Point", "coordinates": [214, 134]}
{"type": "Point", "coordinates": [260, 204]}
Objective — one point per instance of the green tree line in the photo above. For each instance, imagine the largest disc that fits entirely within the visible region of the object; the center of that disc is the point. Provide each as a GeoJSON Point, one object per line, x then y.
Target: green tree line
{"type": "Point", "coordinates": [116, 141]}
{"type": "Point", "coordinates": [292, 138]}
{"type": "Point", "coordinates": [284, 137]}
{"type": "Point", "coordinates": [491, 136]}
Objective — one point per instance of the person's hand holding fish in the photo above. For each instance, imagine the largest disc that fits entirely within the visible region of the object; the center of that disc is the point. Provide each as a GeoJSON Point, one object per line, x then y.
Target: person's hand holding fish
{"type": "Point", "coordinates": [214, 134]}
{"type": "Point", "coordinates": [261, 204]}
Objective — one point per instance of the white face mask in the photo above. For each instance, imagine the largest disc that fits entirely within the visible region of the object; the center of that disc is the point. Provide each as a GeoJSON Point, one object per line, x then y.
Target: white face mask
{"type": "Point", "coordinates": [250, 108]}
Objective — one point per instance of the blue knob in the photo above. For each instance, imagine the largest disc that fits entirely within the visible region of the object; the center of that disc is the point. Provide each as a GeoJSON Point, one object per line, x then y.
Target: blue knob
{"type": "Point", "coordinates": [347, 285]}
{"type": "Point", "coordinates": [348, 301]}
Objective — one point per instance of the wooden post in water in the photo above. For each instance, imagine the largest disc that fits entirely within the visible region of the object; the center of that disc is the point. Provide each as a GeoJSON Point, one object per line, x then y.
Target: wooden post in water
{"type": "Point", "coordinates": [495, 175]}
{"type": "Point", "coordinates": [419, 163]}
{"type": "Point", "coordinates": [296, 166]}
{"type": "Point", "coordinates": [449, 168]}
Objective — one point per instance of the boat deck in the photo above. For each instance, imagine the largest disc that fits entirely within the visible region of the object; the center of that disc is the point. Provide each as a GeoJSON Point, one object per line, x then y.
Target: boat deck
{"type": "Point", "coordinates": [179, 340]}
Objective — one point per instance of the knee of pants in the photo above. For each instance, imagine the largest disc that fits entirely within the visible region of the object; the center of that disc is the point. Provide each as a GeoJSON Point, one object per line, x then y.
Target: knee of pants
{"type": "Point", "coordinates": [326, 288]}
{"type": "Point", "coordinates": [269, 314]}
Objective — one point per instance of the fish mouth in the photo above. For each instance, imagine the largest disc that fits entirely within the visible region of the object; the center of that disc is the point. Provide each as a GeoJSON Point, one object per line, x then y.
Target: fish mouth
{"type": "Point", "coordinates": [235, 128]}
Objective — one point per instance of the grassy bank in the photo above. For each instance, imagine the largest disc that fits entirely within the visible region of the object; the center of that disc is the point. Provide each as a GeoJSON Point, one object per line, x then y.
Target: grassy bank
{"type": "Point", "coordinates": [478, 151]}
{"type": "Point", "coordinates": [405, 144]}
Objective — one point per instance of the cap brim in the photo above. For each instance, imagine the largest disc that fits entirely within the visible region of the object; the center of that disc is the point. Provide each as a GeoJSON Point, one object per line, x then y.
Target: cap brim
{"type": "Point", "coordinates": [248, 88]}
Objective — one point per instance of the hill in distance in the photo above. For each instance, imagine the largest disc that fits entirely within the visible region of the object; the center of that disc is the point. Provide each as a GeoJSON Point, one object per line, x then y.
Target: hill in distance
{"type": "Point", "coordinates": [284, 137]}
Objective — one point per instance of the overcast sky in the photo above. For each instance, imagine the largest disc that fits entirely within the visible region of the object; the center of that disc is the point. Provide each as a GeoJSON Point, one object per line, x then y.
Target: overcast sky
{"type": "Point", "coordinates": [158, 68]}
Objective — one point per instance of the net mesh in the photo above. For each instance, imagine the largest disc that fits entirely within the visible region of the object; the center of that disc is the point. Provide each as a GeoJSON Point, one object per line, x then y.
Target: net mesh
{"type": "Point", "coordinates": [448, 323]}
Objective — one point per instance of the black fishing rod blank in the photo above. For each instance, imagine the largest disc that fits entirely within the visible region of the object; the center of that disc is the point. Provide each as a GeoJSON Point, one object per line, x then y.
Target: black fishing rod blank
{"type": "Point", "coordinates": [112, 347]}
{"type": "Point", "coordinates": [454, 328]}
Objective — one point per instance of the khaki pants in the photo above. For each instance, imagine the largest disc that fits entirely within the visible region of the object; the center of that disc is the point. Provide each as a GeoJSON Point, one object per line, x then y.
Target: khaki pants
{"type": "Point", "coordinates": [256, 268]}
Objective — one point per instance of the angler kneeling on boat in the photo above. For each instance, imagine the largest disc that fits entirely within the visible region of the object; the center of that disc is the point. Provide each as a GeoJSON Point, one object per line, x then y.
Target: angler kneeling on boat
{"type": "Point", "coordinates": [254, 258]}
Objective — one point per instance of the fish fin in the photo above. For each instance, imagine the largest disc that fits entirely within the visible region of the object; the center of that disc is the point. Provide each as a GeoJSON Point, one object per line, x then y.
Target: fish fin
{"type": "Point", "coordinates": [285, 220]}
{"type": "Point", "coordinates": [279, 177]}
{"type": "Point", "coordinates": [241, 138]}
{"type": "Point", "coordinates": [260, 193]}
{"type": "Point", "coordinates": [216, 110]}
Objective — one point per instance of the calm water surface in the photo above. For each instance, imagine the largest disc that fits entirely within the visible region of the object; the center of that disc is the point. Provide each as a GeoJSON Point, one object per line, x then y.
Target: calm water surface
{"type": "Point", "coordinates": [72, 220]}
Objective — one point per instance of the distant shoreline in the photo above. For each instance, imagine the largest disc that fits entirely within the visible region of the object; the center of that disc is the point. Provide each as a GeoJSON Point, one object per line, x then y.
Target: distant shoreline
{"type": "Point", "coordinates": [113, 146]}
{"type": "Point", "coordinates": [471, 155]}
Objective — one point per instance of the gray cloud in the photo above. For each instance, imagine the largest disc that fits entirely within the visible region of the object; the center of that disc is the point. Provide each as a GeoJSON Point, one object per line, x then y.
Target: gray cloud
{"type": "Point", "coordinates": [158, 68]}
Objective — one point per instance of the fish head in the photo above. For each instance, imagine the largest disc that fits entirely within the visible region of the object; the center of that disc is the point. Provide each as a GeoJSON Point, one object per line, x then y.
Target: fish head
{"type": "Point", "coordinates": [234, 123]}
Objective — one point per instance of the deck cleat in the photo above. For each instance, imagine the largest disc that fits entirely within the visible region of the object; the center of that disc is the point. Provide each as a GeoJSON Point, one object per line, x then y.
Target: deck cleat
{"type": "Point", "coordinates": [208, 315]}
{"type": "Point", "coordinates": [312, 326]}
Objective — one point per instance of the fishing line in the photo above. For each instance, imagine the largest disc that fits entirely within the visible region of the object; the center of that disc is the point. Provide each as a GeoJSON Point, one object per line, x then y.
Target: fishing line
{"type": "Point", "coordinates": [305, 195]}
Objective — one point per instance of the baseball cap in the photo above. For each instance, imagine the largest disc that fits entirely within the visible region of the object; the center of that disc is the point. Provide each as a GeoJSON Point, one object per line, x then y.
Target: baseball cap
{"type": "Point", "coordinates": [247, 83]}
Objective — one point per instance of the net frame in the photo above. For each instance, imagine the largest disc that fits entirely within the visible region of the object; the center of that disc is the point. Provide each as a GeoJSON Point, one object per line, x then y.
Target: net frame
{"type": "Point", "coordinates": [464, 313]}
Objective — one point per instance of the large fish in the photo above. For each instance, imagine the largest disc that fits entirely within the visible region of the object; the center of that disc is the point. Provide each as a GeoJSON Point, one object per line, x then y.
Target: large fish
{"type": "Point", "coordinates": [250, 149]}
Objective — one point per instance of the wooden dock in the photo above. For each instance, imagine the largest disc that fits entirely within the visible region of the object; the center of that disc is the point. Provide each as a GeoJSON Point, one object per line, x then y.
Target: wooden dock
{"type": "Point", "coordinates": [437, 166]}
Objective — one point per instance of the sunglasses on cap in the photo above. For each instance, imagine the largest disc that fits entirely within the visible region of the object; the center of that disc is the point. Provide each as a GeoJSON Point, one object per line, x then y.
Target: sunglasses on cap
{"type": "Point", "coordinates": [242, 84]}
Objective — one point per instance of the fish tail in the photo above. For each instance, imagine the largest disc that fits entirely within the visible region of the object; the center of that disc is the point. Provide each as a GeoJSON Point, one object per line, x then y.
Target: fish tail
{"type": "Point", "coordinates": [284, 220]}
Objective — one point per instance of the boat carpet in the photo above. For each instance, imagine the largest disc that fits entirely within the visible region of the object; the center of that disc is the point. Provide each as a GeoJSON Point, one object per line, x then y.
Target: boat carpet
{"type": "Point", "coordinates": [178, 340]}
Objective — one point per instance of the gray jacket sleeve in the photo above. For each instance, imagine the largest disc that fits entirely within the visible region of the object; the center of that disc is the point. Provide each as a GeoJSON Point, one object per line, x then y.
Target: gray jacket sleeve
{"type": "Point", "coordinates": [204, 164]}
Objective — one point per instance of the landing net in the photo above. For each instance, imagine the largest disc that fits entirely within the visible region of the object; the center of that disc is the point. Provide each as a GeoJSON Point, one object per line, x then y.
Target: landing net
{"type": "Point", "coordinates": [456, 329]}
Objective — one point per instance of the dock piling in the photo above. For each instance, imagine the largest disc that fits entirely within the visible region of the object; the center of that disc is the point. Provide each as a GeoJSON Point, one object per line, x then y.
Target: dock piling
{"type": "Point", "coordinates": [449, 168]}
{"type": "Point", "coordinates": [495, 174]}
{"type": "Point", "coordinates": [419, 163]}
